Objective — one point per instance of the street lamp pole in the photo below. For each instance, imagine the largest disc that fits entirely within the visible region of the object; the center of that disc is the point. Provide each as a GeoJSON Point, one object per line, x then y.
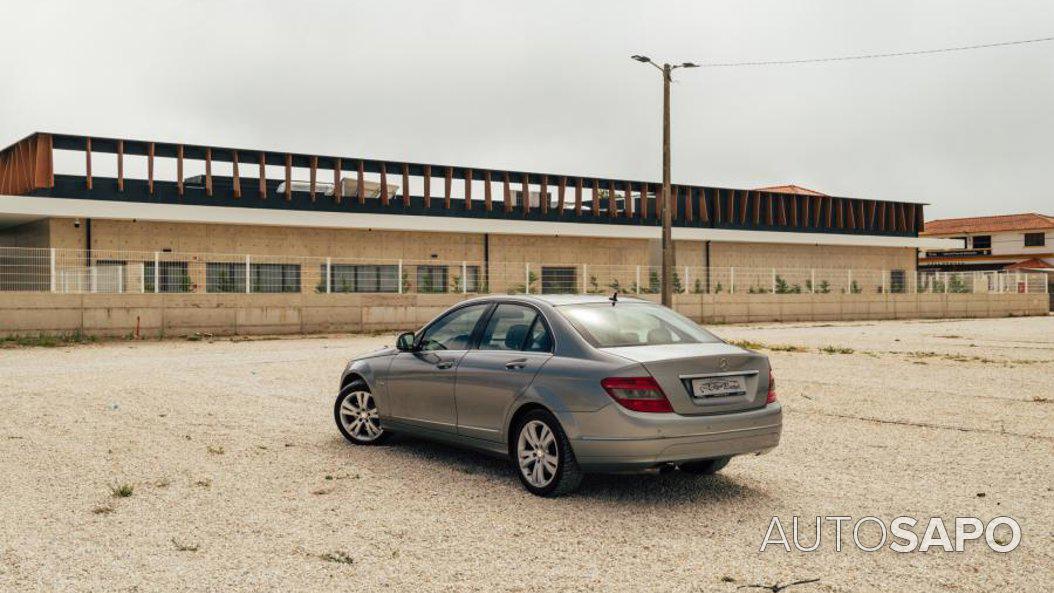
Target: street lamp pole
{"type": "Point", "coordinates": [666, 201]}
{"type": "Point", "coordinates": [667, 195]}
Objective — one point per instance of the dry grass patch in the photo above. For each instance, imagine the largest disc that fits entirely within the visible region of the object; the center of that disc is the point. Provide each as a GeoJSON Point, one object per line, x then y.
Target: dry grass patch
{"type": "Point", "coordinates": [749, 345]}
{"type": "Point", "coordinates": [46, 341]}
{"type": "Point", "coordinates": [836, 350]}
{"type": "Point", "coordinates": [787, 348]}
{"type": "Point", "coordinates": [338, 557]}
{"type": "Point", "coordinates": [121, 490]}
{"type": "Point", "coordinates": [181, 547]}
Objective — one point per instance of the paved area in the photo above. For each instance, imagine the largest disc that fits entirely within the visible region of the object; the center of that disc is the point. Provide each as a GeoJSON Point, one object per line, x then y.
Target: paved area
{"type": "Point", "coordinates": [240, 482]}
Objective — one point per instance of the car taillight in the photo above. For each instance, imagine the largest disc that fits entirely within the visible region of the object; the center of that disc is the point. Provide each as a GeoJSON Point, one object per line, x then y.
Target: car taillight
{"type": "Point", "coordinates": [772, 389]}
{"type": "Point", "coordinates": [640, 394]}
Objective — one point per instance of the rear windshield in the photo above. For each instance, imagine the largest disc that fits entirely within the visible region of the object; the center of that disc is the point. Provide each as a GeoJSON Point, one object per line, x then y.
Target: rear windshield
{"type": "Point", "coordinates": [633, 324]}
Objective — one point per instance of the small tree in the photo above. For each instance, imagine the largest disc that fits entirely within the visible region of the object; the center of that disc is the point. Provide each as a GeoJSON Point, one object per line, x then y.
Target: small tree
{"type": "Point", "coordinates": [520, 288]}
{"type": "Point", "coordinates": [697, 286]}
{"type": "Point", "coordinates": [654, 285]}
{"type": "Point", "coordinates": [781, 285]}
{"type": "Point", "coordinates": [824, 287]}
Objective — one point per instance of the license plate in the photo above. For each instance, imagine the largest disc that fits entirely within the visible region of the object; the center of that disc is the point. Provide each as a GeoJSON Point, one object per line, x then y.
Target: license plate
{"type": "Point", "coordinates": [719, 386]}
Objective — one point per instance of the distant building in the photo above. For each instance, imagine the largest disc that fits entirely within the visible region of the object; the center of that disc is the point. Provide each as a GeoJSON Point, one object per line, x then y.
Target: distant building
{"type": "Point", "coordinates": [1007, 242]}
{"type": "Point", "coordinates": [1010, 242]}
{"type": "Point", "coordinates": [792, 189]}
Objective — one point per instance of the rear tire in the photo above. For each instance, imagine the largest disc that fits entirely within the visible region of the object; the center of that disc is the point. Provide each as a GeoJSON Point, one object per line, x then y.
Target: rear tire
{"type": "Point", "coordinates": [356, 414]}
{"type": "Point", "coordinates": [707, 467]}
{"type": "Point", "coordinates": [542, 455]}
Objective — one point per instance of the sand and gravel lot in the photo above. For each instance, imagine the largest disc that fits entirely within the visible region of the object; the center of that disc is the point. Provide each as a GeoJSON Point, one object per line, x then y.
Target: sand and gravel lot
{"type": "Point", "coordinates": [242, 483]}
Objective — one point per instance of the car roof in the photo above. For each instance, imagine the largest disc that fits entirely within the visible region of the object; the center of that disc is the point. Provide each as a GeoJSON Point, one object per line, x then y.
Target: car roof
{"type": "Point", "coordinates": [557, 300]}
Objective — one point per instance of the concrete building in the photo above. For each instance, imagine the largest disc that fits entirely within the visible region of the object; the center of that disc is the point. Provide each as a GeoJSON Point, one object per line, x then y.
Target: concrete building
{"type": "Point", "coordinates": [133, 196]}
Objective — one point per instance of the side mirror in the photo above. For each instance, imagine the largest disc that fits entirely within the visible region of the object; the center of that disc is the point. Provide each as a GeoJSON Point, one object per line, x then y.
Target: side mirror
{"type": "Point", "coordinates": [405, 342]}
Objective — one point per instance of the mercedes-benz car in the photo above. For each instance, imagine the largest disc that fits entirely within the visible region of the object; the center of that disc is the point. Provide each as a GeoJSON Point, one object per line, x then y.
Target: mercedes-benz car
{"type": "Point", "coordinates": [566, 385]}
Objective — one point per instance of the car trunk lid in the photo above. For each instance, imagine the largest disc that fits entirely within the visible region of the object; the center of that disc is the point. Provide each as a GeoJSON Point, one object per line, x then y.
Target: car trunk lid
{"type": "Point", "coordinates": [735, 379]}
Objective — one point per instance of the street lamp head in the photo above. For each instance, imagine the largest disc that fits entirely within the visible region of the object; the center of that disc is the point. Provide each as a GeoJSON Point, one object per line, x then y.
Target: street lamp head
{"type": "Point", "coordinates": [689, 65]}
{"type": "Point", "coordinates": [642, 59]}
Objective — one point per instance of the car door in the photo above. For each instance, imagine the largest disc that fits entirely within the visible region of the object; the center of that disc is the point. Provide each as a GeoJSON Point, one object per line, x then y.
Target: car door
{"type": "Point", "coordinates": [421, 383]}
{"type": "Point", "coordinates": [513, 345]}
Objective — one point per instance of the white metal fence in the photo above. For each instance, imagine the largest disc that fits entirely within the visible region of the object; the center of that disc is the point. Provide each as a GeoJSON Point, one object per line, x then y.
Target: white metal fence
{"type": "Point", "coordinates": [100, 271]}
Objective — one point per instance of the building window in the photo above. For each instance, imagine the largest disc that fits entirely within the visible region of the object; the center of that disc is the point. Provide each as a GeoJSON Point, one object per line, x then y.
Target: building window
{"type": "Point", "coordinates": [172, 276]}
{"type": "Point", "coordinates": [275, 277]}
{"type": "Point", "coordinates": [898, 281]}
{"type": "Point", "coordinates": [982, 242]}
{"type": "Point", "coordinates": [225, 277]}
{"type": "Point", "coordinates": [432, 278]}
{"type": "Point", "coordinates": [471, 278]}
{"type": "Point", "coordinates": [559, 280]}
{"type": "Point", "coordinates": [1035, 240]}
{"type": "Point", "coordinates": [357, 278]}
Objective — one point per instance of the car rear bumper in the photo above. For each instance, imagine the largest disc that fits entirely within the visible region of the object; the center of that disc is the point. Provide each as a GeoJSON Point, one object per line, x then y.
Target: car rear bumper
{"type": "Point", "coordinates": [615, 440]}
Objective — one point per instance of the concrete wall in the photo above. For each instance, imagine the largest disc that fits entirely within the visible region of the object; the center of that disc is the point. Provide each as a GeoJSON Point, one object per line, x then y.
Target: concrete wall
{"type": "Point", "coordinates": [30, 234]}
{"type": "Point", "coordinates": [128, 235]}
{"type": "Point", "coordinates": [19, 270]}
{"type": "Point", "coordinates": [179, 314]}
{"type": "Point", "coordinates": [762, 255]}
{"type": "Point", "coordinates": [611, 261]}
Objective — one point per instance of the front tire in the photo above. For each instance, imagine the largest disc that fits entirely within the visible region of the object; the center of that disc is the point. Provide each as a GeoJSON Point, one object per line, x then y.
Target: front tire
{"type": "Point", "coordinates": [356, 414]}
{"type": "Point", "coordinates": [542, 454]}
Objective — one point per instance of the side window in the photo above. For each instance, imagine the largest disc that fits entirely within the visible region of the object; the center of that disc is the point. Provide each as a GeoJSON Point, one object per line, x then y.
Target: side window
{"type": "Point", "coordinates": [453, 331]}
{"type": "Point", "coordinates": [508, 328]}
{"type": "Point", "coordinates": [538, 340]}
{"type": "Point", "coordinates": [898, 281]}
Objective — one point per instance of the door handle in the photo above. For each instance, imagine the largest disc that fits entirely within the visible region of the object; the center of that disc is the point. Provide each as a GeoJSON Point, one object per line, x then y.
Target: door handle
{"type": "Point", "coordinates": [446, 364]}
{"type": "Point", "coordinates": [516, 364]}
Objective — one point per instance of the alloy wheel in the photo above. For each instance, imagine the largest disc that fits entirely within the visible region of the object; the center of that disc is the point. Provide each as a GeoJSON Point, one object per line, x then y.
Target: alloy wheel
{"type": "Point", "coordinates": [537, 452]}
{"type": "Point", "coordinates": [358, 416]}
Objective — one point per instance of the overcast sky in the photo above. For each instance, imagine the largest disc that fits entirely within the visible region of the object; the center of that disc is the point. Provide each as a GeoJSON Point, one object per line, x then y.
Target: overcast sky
{"type": "Point", "coordinates": [549, 86]}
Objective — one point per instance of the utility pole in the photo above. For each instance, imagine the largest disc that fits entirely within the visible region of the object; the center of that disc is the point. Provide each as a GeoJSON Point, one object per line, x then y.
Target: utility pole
{"type": "Point", "coordinates": [667, 210]}
{"type": "Point", "coordinates": [666, 202]}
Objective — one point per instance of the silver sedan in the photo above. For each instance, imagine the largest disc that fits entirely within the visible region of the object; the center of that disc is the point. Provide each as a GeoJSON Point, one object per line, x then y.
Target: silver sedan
{"type": "Point", "coordinates": [566, 385]}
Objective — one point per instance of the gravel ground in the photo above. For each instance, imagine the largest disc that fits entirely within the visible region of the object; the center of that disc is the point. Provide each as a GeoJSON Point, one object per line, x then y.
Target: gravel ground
{"type": "Point", "coordinates": [242, 483]}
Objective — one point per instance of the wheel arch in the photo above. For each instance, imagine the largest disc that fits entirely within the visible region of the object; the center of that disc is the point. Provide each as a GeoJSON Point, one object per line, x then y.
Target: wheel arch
{"type": "Point", "coordinates": [524, 408]}
{"type": "Point", "coordinates": [350, 377]}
